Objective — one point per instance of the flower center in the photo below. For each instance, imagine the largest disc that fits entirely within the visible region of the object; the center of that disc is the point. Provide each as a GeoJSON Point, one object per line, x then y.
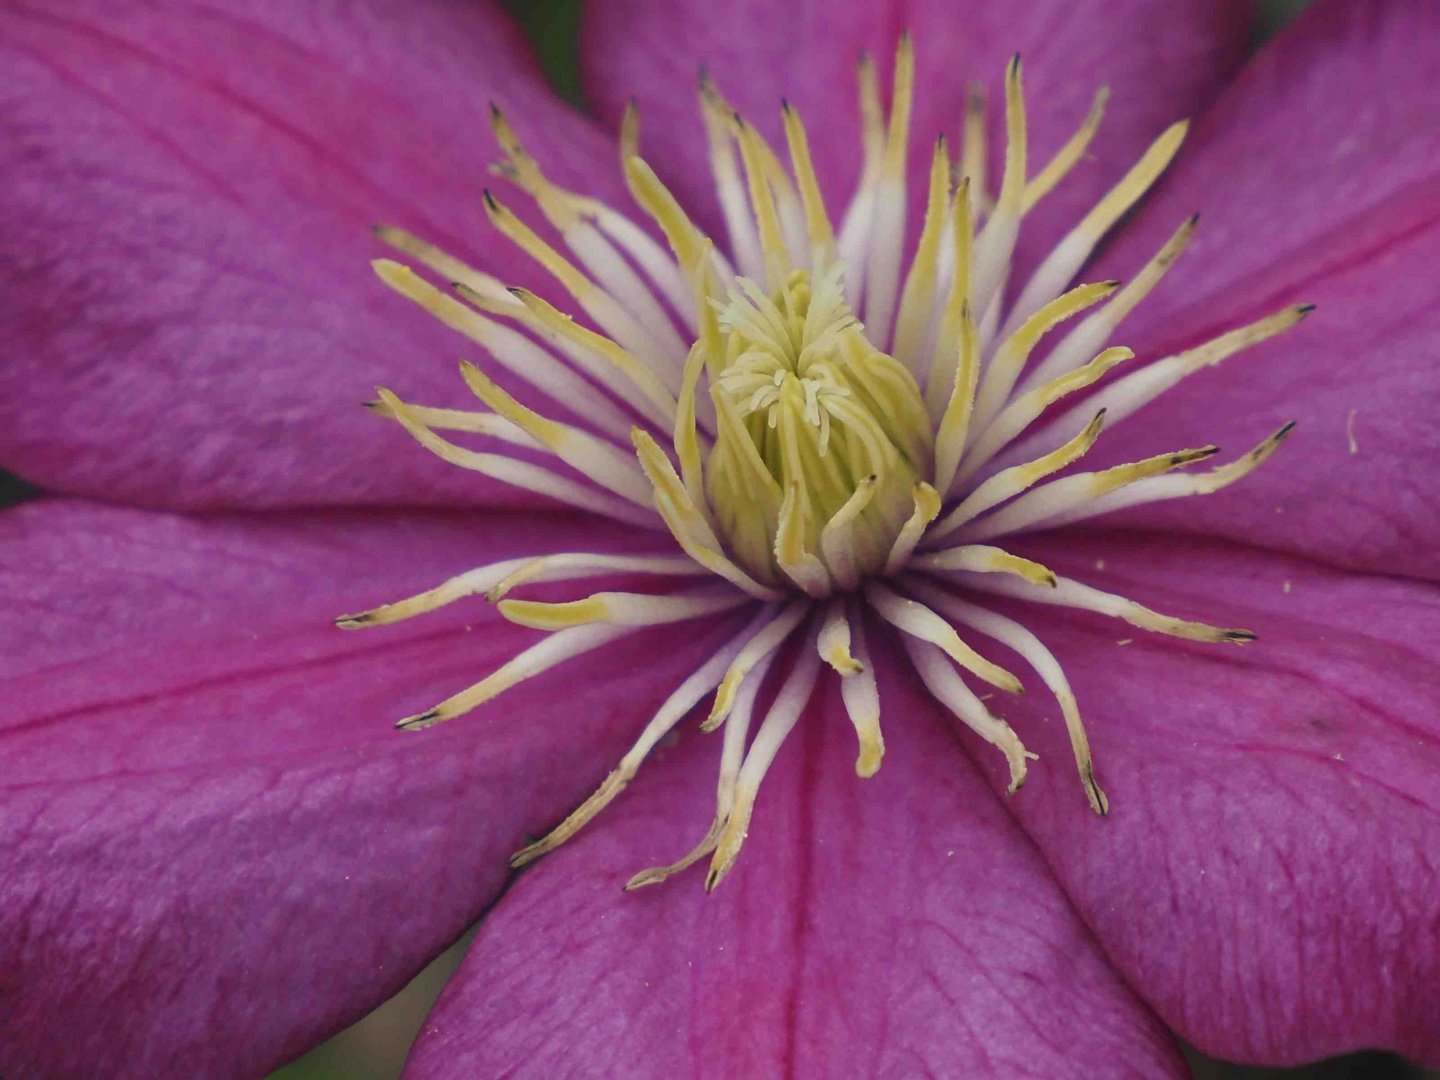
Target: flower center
{"type": "Point", "coordinates": [821, 437]}
{"type": "Point", "coordinates": [812, 416]}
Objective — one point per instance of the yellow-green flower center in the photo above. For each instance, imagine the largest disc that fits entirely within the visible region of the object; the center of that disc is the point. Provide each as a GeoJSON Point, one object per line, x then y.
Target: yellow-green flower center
{"type": "Point", "coordinates": [821, 437]}
{"type": "Point", "coordinates": [812, 415]}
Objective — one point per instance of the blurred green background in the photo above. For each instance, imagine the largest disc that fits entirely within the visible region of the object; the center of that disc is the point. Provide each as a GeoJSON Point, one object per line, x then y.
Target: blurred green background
{"type": "Point", "coordinates": [375, 1047]}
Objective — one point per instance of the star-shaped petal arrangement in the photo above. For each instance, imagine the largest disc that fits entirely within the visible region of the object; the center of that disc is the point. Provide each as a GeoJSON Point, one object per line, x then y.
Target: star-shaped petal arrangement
{"type": "Point", "coordinates": [217, 852]}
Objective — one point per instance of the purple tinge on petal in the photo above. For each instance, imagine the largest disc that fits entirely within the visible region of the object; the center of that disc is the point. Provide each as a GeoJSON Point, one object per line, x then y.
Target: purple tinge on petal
{"type": "Point", "coordinates": [217, 850]}
{"type": "Point", "coordinates": [1162, 61]}
{"type": "Point", "coordinates": [1268, 878]}
{"type": "Point", "coordinates": [191, 317]}
{"type": "Point", "coordinates": [900, 925]}
{"type": "Point", "coordinates": [1318, 178]}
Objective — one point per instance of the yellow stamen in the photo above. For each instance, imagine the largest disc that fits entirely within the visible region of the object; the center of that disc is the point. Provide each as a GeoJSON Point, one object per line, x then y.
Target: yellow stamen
{"type": "Point", "coordinates": [813, 465]}
{"type": "Point", "coordinates": [1068, 155]}
{"type": "Point", "coordinates": [834, 640]}
{"type": "Point", "coordinates": [817, 220]}
{"type": "Point", "coordinates": [917, 299]}
{"type": "Point", "coordinates": [973, 160]}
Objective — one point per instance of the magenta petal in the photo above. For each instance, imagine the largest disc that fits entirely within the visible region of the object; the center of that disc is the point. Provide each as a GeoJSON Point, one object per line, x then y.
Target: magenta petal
{"type": "Point", "coordinates": [191, 318]}
{"type": "Point", "coordinates": [1161, 59]}
{"type": "Point", "coordinates": [1317, 180]}
{"type": "Point", "coordinates": [216, 849]}
{"type": "Point", "coordinates": [1269, 876]}
{"type": "Point", "coordinates": [896, 926]}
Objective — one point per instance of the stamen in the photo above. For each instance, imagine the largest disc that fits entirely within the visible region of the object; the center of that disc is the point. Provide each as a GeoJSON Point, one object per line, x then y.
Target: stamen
{"type": "Point", "coordinates": [834, 640]}
{"type": "Point", "coordinates": [918, 297]}
{"type": "Point", "coordinates": [567, 566]}
{"type": "Point", "coordinates": [744, 241]}
{"type": "Point", "coordinates": [973, 159]}
{"type": "Point", "coordinates": [817, 221]}
{"type": "Point", "coordinates": [954, 429]}
{"type": "Point", "coordinates": [1158, 488]}
{"type": "Point", "coordinates": [686, 435]}
{"type": "Point", "coordinates": [510, 349]}
{"type": "Point", "coordinates": [837, 538]}
{"type": "Point", "coordinates": [731, 757]}
{"type": "Point", "coordinates": [1011, 633]}
{"type": "Point", "coordinates": [823, 465]}
{"type": "Point", "coordinates": [944, 363]}
{"type": "Point", "coordinates": [736, 465]}
{"type": "Point", "coordinates": [676, 707]}
{"type": "Point", "coordinates": [1067, 593]}
{"type": "Point", "coordinates": [1044, 503]}
{"type": "Point", "coordinates": [1068, 156]}
{"type": "Point", "coordinates": [920, 622]}
{"type": "Point", "coordinates": [584, 453]}
{"type": "Point", "coordinates": [1010, 482]}
{"type": "Point", "coordinates": [983, 559]}
{"type": "Point", "coordinates": [1091, 334]}
{"type": "Point", "coordinates": [765, 641]}
{"type": "Point", "coordinates": [1070, 254]}
{"type": "Point", "coordinates": [1009, 360]}
{"type": "Point", "coordinates": [778, 723]}
{"type": "Point", "coordinates": [518, 473]}
{"type": "Point", "coordinates": [927, 509]}
{"type": "Point", "coordinates": [469, 583]}
{"type": "Point", "coordinates": [623, 382]}
{"type": "Point", "coordinates": [475, 423]}
{"type": "Point", "coordinates": [948, 689]}
{"type": "Point", "coordinates": [685, 521]}
{"type": "Point", "coordinates": [883, 267]}
{"type": "Point", "coordinates": [861, 697]}
{"type": "Point", "coordinates": [858, 224]}
{"type": "Point", "coordinates": [997, 241]}
{"type": "Point", "coordinates": [594, 301]}
{"type": "Point", "coordinates": [633, 241]}
{"type": "Point", "coordinates": [686, 241]}
{"type": "Point", "coordinates": [1127, 395]}
{"type": "Point", "coordinates": [762, 200]}
{"type": "Point", "coordinates": [657, 403]}
{"type": "Point", "coordinates": [445, 265]}
{"type": "Point", "coordinates": [595, 252]}
{"type": "Point", "coordinates": [1024, 410]}
{"type": "Point", "coordinates": [620, 608]}
{"type": "Point", "coordinates": [800, 565]}
{"type": "Point", "coordinates": [540, 657]}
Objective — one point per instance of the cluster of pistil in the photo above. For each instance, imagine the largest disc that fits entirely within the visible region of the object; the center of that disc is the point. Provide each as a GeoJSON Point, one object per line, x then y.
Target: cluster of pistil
{"type": "Point", "coordinates": [833, 436]}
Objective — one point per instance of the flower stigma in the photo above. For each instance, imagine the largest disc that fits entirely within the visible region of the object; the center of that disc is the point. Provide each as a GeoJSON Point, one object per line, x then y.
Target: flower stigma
{"type": "Point", "coordinates": [835, 436]}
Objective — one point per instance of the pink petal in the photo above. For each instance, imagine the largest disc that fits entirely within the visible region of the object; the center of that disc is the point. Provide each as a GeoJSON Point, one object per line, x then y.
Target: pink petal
{"type": "Point", "coordinates": [190, 188]}
{"type": "Point", "coordinates": [1269, 876]}
{"type": "Point", "coordinates": [1316, 175]}
{"type": "Point", "coordinates": [896, 926]}
{"type": "Point", "coordinates": [216, 849]}
{"type": "Point", "coordinates": [1162, 60]}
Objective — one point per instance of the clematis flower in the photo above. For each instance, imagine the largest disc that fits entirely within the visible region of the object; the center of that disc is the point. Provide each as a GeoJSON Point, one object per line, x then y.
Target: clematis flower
{"type": "Point", "coordinates": [217, 852]}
